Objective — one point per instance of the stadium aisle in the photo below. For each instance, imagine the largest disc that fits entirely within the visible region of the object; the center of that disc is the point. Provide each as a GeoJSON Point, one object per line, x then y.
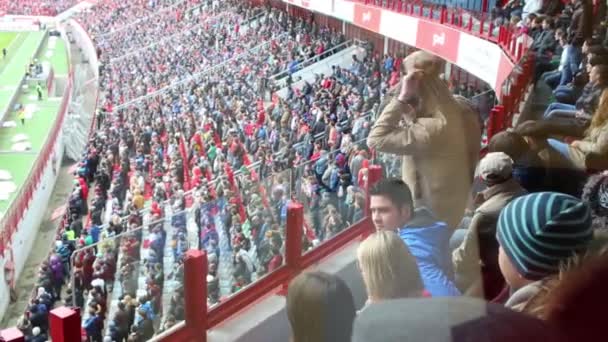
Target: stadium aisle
{"type": "Point", "coordinates": [225, 268]}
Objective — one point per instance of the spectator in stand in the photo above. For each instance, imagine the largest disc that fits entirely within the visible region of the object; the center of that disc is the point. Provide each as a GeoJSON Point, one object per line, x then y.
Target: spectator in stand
{"type": "Point", "coordinates": [587, 102]}
{"type": "Point", "coordinates": [530, 250]}
{"type": "Point", "coordinates": [121, 323]}
{"type": "Point", "coordinates": [93, 325]}
{"type": "Point", "coordinates": [38, 318]}
{"type": "Point", "coordinates": [562, 74]}
{"type": "Point", "coordinates": [320, 307]}
{"type": "Point", "coordinates": [544, 46]}
{"type": "Point", "coordinates": [388, 268]}
{"type": "Point", "coordinates": [569, 93]}
{"type": "Point", "coordinates": [476, 259]}
{"type": "Point", "coordinates": [36, 8]}
{"type": "Point", "coordinates": [37, 336]}
{"type": "Point", "coordinates": [545, 42]}
{"type": "Point", "coordinates": [591, 151]}
{"type": "Point", "coordinates": [427, 238]}
{"type": "Point", "coordinates": [581, 25]}
{"type": "Point", "coordinates": [25, 326]}
{"type": "Point", "coordinates": [144, 328]}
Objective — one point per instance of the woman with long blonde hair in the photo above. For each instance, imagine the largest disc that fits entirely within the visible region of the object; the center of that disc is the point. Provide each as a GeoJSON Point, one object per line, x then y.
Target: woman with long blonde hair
{"type": "Point", "coordinates": [388, 268]}
{"type": "Point", "coordinates": [591, 152]}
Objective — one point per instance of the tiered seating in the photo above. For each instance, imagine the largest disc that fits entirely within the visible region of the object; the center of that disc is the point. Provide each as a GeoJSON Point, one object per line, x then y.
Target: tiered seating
{"type": "Point", "coordinates": [35, 7]}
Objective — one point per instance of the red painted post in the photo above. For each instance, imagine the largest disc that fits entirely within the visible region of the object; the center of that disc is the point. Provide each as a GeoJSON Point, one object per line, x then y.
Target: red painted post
{"type": "Point", "coordinates": [520, 50]}
{"type": "Point", "coordinates": [64, 325]}
{"type": "Point", "coordinates": [195, 293]}
{"type": "Point", "coordinates": [12, 335]}
{"type": "Point", "coordinates": [293, 239]}
{"type": "Point", "coordinates": [293, 242]}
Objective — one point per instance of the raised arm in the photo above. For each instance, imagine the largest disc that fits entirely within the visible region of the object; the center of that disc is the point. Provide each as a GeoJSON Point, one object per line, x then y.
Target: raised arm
{"type": "Point", "coordinates": [388, 136]}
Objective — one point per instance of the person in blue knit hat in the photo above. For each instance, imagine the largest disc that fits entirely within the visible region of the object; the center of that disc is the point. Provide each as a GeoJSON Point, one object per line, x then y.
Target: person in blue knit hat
{"type": "Point", "coordinates": [537, 233]}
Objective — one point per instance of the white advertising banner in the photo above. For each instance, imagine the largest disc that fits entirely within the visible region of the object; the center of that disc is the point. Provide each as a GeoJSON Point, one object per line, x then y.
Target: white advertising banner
{"type": "Point", "coordinates": [399, 27]}
{"type": "Point", "coordinates": [479, 57]}
{"type": "Point", "coordinates": [18, 26]}
{"type": "Point", "coordinates": [321, 6]}
{"type": "Point", "coordinates": [344, 10]}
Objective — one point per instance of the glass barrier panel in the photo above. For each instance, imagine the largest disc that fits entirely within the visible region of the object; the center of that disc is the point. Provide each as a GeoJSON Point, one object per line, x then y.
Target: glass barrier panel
{"type": "Point", "coordinates": [332, 195]}
{"type": "Point", "coordinates": [136, 271]}
{"type": "Point", "coordinates": [243, 231]}
{"type": "Point", "coordinates": [391, 164]}
{"type": "Point", "coordinates": [104, 273]}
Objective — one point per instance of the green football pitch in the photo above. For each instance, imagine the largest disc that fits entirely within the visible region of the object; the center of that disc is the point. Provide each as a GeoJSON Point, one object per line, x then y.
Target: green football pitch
{"type": "Point", "coordinates": [9, 41]}
{"type": "Point", "coordinates": [41, 114]}
{"type": "Point", "coordinates": [6, 38]}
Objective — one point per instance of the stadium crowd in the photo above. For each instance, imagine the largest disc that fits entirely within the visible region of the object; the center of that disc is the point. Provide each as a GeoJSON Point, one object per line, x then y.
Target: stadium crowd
{"type": "Point", "coordinates": [36, 8]}
{"type": "Point", "coordinates": [199, 150]}
{"type": "Point", "coordinates": [205, 155]}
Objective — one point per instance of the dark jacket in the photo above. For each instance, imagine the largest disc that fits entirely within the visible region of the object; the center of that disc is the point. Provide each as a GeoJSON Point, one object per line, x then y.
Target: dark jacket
{"type": "Point", "coordinates": [589, 99]}
{"type": "Point", "coordinates": [428, 240]}
{"type": "Point", "coordinates": [545, 42]}
{"type": "Point", "coordinates": [581, 26]}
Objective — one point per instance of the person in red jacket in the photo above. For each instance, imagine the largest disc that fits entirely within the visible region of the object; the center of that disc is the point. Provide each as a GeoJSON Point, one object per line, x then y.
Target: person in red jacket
{"type": "Point", "coordinates": [276, 261]}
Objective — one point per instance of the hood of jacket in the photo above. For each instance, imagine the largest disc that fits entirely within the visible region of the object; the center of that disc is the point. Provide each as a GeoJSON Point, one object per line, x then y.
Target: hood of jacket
{"type": "Point", "coordinates": [428, 240]}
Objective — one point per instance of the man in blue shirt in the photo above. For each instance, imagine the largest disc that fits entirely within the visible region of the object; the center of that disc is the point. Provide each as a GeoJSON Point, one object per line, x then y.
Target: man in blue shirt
{"type": "Point", "coordinates": [427, 238]}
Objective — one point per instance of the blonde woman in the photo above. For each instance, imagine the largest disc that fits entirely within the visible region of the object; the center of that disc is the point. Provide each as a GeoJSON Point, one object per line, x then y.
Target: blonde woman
{"type": "Point", "coordinates": [592, 150]}
{"type": "Point", "coordinates": [320, 308]}
{"type": "Point", "coordinates": [388, 268]}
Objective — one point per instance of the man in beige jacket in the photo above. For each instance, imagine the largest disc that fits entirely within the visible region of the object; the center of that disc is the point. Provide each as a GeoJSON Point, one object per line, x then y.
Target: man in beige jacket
{"type": "Point", "coordinates": [437, 134]}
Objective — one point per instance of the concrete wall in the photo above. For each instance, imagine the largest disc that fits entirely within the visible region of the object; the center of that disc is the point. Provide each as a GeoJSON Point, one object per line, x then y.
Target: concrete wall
{"type": "Point", "coordinates": [27, 228]}
{"type": "Point", "coordinates": [266, 320]}
{"type": "Point", "coordinates": [23, 239]}
{"type": "Point", "coordinates": [84, 43]}
{"type": "Point", "coordinates": [342, 59]}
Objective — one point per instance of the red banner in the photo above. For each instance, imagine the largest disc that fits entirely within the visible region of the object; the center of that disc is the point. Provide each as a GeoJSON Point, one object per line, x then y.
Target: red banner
{"type": "Point", "coordinates": [439, 40]}
{"type": "Point", "coordinates": [368, 17]}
